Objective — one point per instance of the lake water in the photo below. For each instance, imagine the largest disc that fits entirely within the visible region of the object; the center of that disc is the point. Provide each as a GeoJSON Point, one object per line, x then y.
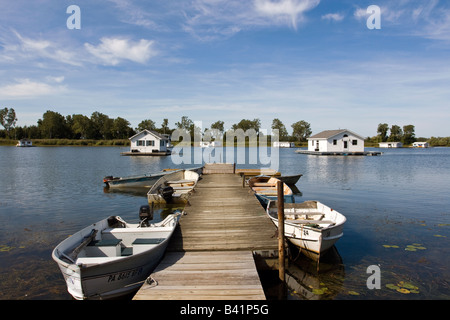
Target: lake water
{"type": "Point", "coordinates": [397, 207]}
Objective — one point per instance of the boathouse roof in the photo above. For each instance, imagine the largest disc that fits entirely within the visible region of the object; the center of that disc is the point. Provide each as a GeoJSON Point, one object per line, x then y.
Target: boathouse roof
{"type": "Point", "coordinates": [331, 133]}
{"type": "Point", "coordinates": [145, 131]}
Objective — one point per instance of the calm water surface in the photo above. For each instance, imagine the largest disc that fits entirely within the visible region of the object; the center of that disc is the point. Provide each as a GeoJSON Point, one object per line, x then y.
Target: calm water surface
{"type": "Point", "coordinates": [397, 208]}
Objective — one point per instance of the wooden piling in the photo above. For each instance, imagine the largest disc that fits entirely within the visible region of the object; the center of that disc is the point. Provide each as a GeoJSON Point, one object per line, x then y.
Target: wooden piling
{"type": "Point", "coordinates": [281, 248]}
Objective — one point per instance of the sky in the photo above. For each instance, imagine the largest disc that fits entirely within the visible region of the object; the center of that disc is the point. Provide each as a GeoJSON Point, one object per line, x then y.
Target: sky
{"type": "Point", "coordinates": [334, 64]}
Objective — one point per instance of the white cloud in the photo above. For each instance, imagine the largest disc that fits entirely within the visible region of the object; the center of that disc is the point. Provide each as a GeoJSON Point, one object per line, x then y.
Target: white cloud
{"type": "Point", "coordinates": [111, 51]}
{"type": "Point", "coordinates": [333, 17]}
{"type": "Point", "coordinates": [26, 88]}
{"type": "Point", "coordinates": [208, 20]}
{"type": "Point", "coordinates": [282, 9]}
{"type": "Point", "coordinates": [132, 14]}
{"type": "Point", "coordinates": [33, 49]}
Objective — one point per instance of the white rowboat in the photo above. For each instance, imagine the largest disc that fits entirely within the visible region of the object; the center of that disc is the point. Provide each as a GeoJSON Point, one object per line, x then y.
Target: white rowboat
{"type": "Point", "coordinates": [173, 188]}
{"type": "Point", "coordinates": [112, 258]}
{"type": "Point", "coordinates": [309, 225]}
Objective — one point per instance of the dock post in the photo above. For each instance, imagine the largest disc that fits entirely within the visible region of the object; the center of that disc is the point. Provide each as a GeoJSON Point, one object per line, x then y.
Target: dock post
{"type": "Point", "coordinates": [281, 249]}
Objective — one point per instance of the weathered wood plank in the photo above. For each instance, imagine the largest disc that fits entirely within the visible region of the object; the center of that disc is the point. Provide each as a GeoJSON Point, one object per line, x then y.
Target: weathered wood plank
{"type": "Point", "coordinates": [210, 254]}
{"type": "Point", "coordinates": [204, 275]}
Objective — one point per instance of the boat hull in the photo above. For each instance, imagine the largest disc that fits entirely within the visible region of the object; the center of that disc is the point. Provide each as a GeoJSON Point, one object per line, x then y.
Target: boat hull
{"type": "Point", "coordinates": [180, 182]}
{"type": "Point", "coordinates": [290, 180]}
{"type": "Point", "coordinates": [144, 181]}
{"type": "Point", "coordinates": [264, 200]}
{"type": "Point", "coordinates": [121, 277]}
{"type": "Point", "coordinates": [315, 235]}
{"type": "Point", "coordinates": [110, 276]}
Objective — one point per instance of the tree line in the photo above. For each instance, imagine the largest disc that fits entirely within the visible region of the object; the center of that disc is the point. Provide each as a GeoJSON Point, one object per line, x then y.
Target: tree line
{"type": "Point", "coordinates": [395, 134]}
{"type": "Point", "coordinates": [100, 126]}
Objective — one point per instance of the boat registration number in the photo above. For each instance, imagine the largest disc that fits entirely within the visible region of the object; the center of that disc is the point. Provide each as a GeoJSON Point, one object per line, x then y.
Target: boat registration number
{"type": "Point", "coordinates": [125, 274]}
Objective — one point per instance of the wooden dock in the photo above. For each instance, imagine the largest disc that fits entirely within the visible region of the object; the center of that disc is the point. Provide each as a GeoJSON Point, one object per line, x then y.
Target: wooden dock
{"type": "Point", "coordinates": [211, 254]}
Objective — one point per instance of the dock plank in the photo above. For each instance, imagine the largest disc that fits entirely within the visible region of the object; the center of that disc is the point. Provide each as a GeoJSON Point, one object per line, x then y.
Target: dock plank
{"type": "Point", "coordinates": [210, 255]}
{"type": "Point", "coordinates": [204, 276]}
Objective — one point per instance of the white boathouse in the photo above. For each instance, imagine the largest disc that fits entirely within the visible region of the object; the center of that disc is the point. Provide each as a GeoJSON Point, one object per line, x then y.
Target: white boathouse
{"type": "Point", "coordinates": [149, 142]}
{"type": "Point", "coordinates": [420, 144]}
{"type": "Point", "coordinates": [390, 144]}
{"type": "Point", "coordinates": [340, 141]}
{"type": "Point", "coordinates": [283, 144]}
{"type": "Point", "coordinates": [24, 143]}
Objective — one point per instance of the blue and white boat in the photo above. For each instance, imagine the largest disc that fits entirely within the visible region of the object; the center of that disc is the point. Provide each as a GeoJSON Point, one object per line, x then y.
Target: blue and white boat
{"type": "Point", "coordinates": [142, 181]}
{"type": "Point", "coordinates": [138, 181]}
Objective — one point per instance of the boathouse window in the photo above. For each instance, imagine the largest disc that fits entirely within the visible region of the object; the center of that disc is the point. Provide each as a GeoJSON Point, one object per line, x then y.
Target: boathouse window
{"type": "Point", "coordinates": [150, 143]}
{"type": "Point", "coordinates": [140, 143]}
{"type": "Point", "coordinates": [334, 142]}
{"type": "Point", "coordinates": [355, 142]}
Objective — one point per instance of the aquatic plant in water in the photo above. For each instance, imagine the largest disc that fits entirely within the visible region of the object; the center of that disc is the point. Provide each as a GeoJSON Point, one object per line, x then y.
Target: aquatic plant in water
{"type": "Point", "coordinates": [414, 247]}
{"type": "Point", "coordinates": [403, 287]}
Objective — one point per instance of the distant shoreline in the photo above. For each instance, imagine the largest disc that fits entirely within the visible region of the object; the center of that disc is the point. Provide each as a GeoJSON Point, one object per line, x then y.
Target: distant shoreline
{"type": "Point", "coordinates": [126, 143]}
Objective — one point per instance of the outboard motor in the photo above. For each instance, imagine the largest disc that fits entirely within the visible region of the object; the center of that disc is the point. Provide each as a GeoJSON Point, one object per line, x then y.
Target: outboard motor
{"type": "Point", "coordinates": [109, 178]}
{"type": "Point", "coordinates": [166, 193]}
{"type": "Point", "coordinates": [145, 214]}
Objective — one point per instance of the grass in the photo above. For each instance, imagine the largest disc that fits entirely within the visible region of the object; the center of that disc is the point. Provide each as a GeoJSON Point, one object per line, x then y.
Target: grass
{"type": "Point", "coordinates": [69, 142]}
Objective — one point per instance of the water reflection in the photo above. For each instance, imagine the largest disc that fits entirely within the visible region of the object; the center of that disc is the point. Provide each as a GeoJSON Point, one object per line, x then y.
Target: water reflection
{"type": "Point", "coordinates": [310, 278]}
{"type": "Point", "coordinates": [400, 198]}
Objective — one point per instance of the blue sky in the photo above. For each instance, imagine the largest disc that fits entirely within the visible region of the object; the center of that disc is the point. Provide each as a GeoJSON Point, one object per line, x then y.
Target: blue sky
{"type": "Point", "coordinates": [312, 60]}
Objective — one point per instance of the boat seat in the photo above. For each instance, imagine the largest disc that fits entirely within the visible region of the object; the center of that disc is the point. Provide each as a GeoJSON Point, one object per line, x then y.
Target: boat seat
{"type": "Point", "coordinates": [297, 214]}
{"type": "Point", "coordinates": [104, 248]}
{"type": "Point", "coordinates": [126, 251]}
{"type": "Point", "coordinates": [105, 243]}
{"type": "Point", "coordinates": [148, 241]}
{"type": "Point", "coordinates": [144, 244]}
{"type": "Point", "coordinates": [180, 181]}
{"type": "Point", "coordinates": [181, 187]}
{"type": "Point", "coordinates": [310, 221]}
{"type": "Point", "coordinates": [263, 184]}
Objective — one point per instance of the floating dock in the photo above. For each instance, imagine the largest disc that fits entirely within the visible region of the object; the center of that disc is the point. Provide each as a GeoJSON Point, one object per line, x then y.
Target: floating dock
{"type": "Point", "coordinates": [336, 153]}
{"type": "Point", "coordinates": [212, 252]}
{"type": "Point", "coordinates": [162, 153]}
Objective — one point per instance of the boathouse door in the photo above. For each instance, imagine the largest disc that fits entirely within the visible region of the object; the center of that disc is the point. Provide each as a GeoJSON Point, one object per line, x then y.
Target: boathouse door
{"type": "Point", "coordinates": [345, 142]}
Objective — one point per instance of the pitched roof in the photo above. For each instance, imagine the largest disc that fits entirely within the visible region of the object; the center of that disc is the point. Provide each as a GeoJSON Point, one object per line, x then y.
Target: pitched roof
{"type": "Point", "coordinates": [156, 134]}
{"type": "Point", "coordinates": [331, 133]}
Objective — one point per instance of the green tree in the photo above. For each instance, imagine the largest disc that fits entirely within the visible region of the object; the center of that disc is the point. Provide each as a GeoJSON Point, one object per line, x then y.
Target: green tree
{"type": "Point", "coordinates": [102, 126]}
{"type": "Point", "coordinates": [409, 135]}
{"type": "Point", "coordinates": [121, 128]}
{"type": "Point", "coordinates": [282, 132]}
{"type": "Point", "coordinates": [53, 125]}
{"type": "Point", "coordinates": [165, 126]}
{"type": "Point", "coordinates": [301, 130]}
{"type": "Point", "coordinates": [185, 123]}
{"type": "Point", "coordinates": [382, 132]}
{"type": "Point", "coordinates": [396, 133]}
{"type": "Point", "coordinates": [246, 124]}
{"type": "Point", "coordinates": [8, 119]}
{"type": "Point", "coordinates": [81, 126]}
{"type": "Point", "coordinates": [146, 124]}
{"type": "Point", "coordinates": [218, 125]}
